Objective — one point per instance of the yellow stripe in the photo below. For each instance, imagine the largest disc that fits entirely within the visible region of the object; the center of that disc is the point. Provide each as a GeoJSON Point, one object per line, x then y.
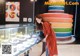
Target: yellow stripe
{"type": "Point", "coordinates": [61, 25]}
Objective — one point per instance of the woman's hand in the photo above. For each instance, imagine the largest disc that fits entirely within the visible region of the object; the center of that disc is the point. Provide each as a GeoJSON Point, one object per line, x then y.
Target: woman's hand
{"type": "Point", "coordinates": [44, 40]}
{"type": "Point", "coordinates": [55, 55]}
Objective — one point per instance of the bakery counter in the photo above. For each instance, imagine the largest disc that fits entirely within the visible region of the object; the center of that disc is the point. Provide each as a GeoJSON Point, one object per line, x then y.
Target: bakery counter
{"type": "Point", "coordinates": [17, 39]}
{"type": "Point", "coordinates": [20, 46]}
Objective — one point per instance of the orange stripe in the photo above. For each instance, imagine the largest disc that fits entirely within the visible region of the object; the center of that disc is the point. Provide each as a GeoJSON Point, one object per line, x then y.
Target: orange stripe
{"type": "Point", "coordinates": [53, 19]}
{"type": "Point", "coordinates": [62, 15]}
{"type": "Point", "coordinates": [55, 11]}
{"type": "Point", "coordinates": [56, 18]}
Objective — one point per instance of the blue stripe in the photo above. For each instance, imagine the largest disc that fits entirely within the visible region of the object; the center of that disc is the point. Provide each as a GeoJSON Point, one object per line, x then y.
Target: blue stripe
{"type": "Point", "coordinates": [55, 8]}
{"type": "Point", "coordinates": [63, 34]}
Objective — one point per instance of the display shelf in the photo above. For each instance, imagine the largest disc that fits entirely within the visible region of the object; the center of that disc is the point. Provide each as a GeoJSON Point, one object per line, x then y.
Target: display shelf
{"type": "Point", "coordinates": [26, 49]}
{"type": "Point", "coordinates": [20, 37]}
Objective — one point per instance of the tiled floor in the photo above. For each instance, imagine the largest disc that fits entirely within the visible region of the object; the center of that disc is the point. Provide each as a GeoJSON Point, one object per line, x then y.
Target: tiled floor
{"type": "Point", "coordinates": [63, 50]}
{"type": "Point", "coordinates": [69, 50]}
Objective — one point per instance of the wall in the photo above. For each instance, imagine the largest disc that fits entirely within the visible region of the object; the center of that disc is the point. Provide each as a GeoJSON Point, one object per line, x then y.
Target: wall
{"type": "Point", "coordinates": [2, 12]}
{"type": "Point", "coordinates": [26, 11]}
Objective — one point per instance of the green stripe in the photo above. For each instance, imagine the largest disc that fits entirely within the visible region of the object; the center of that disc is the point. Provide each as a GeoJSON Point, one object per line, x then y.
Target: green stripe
{"type": "Point", "coordinates": [62, 29]}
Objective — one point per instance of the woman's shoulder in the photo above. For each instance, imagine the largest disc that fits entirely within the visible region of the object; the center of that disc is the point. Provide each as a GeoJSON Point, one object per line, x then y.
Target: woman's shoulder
{"type": "Point", "coordinates": [46, 23]}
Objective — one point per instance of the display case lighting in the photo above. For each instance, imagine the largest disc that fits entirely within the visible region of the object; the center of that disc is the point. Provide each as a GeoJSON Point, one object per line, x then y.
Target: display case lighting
{"type": "Point", "coordinates": [2, 1]}
{"type": "Point", "coordinates": [33, 0]}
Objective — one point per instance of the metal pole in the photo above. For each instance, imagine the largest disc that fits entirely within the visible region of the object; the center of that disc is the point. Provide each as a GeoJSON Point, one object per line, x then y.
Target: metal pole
{"type": "Point", "coordinates": [75, 19]}
{"type": "Point", "coordinates": [33, 10]}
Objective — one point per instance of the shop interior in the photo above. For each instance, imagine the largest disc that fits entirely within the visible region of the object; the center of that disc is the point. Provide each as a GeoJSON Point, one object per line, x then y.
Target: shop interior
{"type": "Point", "coordinates": [17, 28]}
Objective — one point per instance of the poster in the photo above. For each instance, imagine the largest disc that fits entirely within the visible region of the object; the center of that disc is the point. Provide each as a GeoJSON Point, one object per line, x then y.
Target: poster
{"type": "Point", "coordinates": [12, 13]}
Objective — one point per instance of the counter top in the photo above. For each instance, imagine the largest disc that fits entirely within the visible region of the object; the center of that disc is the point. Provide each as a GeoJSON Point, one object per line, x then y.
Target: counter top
{"type": "Point", "coordinates": [16, 25]}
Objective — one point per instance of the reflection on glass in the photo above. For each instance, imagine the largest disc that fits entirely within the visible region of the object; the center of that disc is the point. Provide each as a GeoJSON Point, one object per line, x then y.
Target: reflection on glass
{"type": "Point", "coordinates": [2, 35]}
{"type": "Point", "coordinates": [18, 34]}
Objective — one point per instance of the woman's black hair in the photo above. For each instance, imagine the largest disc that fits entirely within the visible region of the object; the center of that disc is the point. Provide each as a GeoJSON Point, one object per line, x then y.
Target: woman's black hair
{"type": "Point", "coordinates": [39, 26]}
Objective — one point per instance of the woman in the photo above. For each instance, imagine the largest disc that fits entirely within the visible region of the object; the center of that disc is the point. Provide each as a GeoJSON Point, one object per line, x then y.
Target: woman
{"type": "Point", "coordinates": [49, 34]}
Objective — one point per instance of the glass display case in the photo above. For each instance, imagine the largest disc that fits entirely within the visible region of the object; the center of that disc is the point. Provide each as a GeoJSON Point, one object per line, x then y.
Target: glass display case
{"type": "Point", "coordinates": [16, 39]}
